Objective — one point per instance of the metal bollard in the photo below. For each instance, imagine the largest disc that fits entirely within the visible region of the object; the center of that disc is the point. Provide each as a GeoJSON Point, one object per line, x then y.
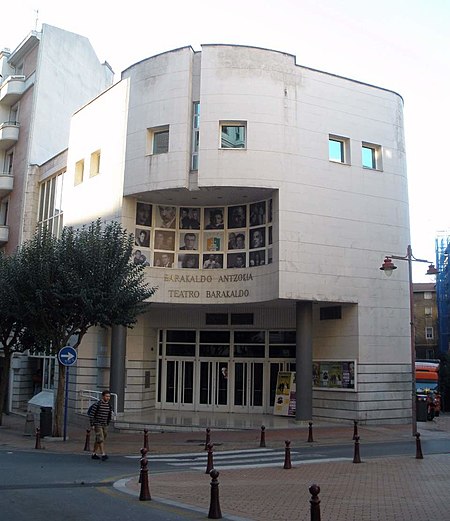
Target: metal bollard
{"type": "Point", "coordinates": [419, 454]}
{"type": "Point", "coordinates": [315, 502]}
{"type": "Point", "coordinates": [287, 455]}
{"type": "Point", "coordinates": [214, 506]}
{"type": "Point", "coordinates": [262, 442]}
{"type": "Point", "coordinates": [208, 437]}
{"type": "Point", "coordinates": [38, 439]}
{"type": "Point", "coordinates": [355, 429]}
{"type": "Point", "coordinates": [144, 494]}
{"type": "Point", "coordinates": [356, 458]}
{"type": "Point", "coordinates": [210, 464]}
{"type": "Point", "coordinates": [87, 443]}
{"type": "Point", "coordinates": [145, 439]}
{"type": "Point", "coordinates": [310, 433]}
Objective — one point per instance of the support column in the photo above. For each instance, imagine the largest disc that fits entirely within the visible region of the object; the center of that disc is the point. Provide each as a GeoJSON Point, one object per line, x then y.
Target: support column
{"type": "Point", "coordinates": [303, 354]}
{"type": "Point", "coordinates": [117, 370]}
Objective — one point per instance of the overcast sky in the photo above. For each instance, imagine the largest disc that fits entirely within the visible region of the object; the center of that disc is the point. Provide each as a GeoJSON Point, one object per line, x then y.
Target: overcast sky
{"type": "Point", "coordinates": [402, 45]}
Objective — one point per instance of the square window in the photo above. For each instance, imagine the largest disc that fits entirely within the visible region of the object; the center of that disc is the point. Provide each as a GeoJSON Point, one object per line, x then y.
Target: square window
{"type": "Point", "coordinates": [95, 163]}
{"type": "Point", "coordinates": [158, 140]}
{"type": "Point", "coordinates": [233, 135]}
{"type": "Point", "coordinates": [79, 172]}
{"type": "Point", "coordinates": [338, 149]}
{"type": "Point", "coordinates": [427, 295]}
{"type": "Point", "coordinates": [371, 156]}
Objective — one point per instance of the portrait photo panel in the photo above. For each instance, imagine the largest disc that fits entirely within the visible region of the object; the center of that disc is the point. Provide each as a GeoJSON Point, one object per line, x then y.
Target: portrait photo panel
{"type": "Point", "coordinates": [143, 214]}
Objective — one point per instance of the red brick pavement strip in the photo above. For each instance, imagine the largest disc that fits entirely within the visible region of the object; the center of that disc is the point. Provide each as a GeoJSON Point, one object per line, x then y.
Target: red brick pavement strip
{"type": "Point", "coordinates": [386, 489]}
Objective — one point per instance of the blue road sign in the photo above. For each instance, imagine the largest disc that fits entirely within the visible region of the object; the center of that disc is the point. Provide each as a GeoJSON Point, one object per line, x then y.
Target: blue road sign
{"type": "Point", "coordinates": [67, 355]}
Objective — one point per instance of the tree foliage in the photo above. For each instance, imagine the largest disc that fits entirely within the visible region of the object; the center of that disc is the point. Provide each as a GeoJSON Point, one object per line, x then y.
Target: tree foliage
{"type": "Point", "coordinates": [67, 285]}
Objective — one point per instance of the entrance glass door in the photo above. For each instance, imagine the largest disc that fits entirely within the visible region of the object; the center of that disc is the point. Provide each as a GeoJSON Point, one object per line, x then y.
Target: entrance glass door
{"type": "Point", "coordinates": [179, 384]}
{"type": "Point", "coordinates": [213, 388]}
{"type": "Point", "coordinates": [248, 386]}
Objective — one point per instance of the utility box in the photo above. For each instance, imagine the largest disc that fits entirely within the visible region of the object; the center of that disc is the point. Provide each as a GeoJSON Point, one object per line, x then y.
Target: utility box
{"type": "Point", "coordinates": [45, 424]}
{"type": "Point", "coordinates": [421, 408]}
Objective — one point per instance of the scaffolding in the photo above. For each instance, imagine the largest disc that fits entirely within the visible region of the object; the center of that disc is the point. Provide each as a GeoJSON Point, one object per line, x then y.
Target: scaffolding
{"type": "Point", "coordinates": [443, 289]}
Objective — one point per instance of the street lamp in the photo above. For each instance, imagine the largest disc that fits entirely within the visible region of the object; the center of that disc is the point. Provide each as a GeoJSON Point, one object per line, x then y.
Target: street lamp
{"type": "Point", "coordinates": [388, 267]}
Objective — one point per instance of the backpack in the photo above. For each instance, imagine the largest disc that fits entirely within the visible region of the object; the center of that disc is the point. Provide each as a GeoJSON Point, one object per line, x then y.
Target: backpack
{"type": "Point", "coordinates": [91, 408]}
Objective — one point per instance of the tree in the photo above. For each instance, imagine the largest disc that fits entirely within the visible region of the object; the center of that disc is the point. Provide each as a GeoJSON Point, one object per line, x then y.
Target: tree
{"type": "Point", "coordinates": [13, 335]}
{"type": "Point", "coordinates": [85, 278]}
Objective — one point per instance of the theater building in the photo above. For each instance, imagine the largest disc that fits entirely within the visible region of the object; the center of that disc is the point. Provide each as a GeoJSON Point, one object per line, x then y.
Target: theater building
{"type": "Point", "coordinates": [263, 196]}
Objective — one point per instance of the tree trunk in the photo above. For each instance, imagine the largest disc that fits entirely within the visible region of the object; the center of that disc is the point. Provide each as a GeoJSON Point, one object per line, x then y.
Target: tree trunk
{"type": "Point", "coordinates": [59, 402]}
{"type": "Point", "coordinates": [4, 377]}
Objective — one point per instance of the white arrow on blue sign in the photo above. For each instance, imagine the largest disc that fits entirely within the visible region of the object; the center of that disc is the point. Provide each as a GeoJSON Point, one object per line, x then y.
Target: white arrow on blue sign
{"type": "Point", "coordinates": [67, 355]}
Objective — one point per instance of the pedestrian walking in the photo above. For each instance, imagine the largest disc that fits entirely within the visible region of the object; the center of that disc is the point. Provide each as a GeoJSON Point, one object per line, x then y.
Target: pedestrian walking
{"type": "Point", "coordinates": [100, 414]}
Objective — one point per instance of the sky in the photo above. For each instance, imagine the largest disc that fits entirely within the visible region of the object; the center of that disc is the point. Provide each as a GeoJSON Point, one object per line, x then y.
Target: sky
{"type": "Point", "coordinates": [401, 45]}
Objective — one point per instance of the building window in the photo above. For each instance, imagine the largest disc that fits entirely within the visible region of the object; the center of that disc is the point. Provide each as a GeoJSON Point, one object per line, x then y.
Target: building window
{"type": "Point", "coordinates": [428, 312]}
{"type": "Point", "coordinates": [158, 140]}
{"type": "Point", "coordinates": [371, 156]}
{"type": "Point", "coordinates": [9, 159]}
{"type": "Point", "coordinates": [50, 214]}
{"type": "Point", "coordinates": [95, 163]}
{"type": "Point", "coordinates": [195, 135]}
{"type": "Point", "coordinates": [233, 135]}
{"type": "Point", "coordinates": [427, 295]}
{"type": "Point", "coordinates": [331, 313]}
{"type": "Point", "coordinates": [339, 149]}
{"type": "Point", "coordinates": [429, 333]}
{"type": "Point", "coordinates": [79, 172]}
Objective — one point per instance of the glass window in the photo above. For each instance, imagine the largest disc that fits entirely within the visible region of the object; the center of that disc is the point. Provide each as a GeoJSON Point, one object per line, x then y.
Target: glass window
{"type": "Point", "coordinates": [249, 337]}
{"type": "Point", "coordinates": [233, 135]}
{"type": "Point", "coordinates": [180, 336]}
{"type": "Point", "coordinates": [371, 156]}
{"type": "Point", "coordinates": [336, 150]}
{"type": "Point", "coordinates": [214, 337]}
{"type": "Point", "coordinates": [195, 135]}
{"type": "Point", "coordinates": [180, 349]}
{"type": "Point", "coordinates": [368, 157]}
{"type": "Point", "coordinates": [427, 295]}
{"type": "Point", "coordinates": [161, 142]}
{"type": "Point", "coordinates": [79, 172]}
{"type": "Point", "coordinates": [429, 333]}
{"type": "Point", "coordinates": [95, 163]}
{"type": "Point", "coordinates": [50, 204]}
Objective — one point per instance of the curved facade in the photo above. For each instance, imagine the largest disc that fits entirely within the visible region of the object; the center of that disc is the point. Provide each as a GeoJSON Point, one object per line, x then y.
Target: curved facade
{"type": "Point", "coordinates": [263, 196]}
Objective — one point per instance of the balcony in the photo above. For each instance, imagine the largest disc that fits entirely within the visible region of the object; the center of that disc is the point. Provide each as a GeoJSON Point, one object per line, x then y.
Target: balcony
{"type": "Point", "coordinates": [6, 184]}
{"type": "Point", "coordinates": [12, 89]}
{"type": "Point", "coordinates": [4, 234]}
{"type": "Point", "coordinates": [9, 134]}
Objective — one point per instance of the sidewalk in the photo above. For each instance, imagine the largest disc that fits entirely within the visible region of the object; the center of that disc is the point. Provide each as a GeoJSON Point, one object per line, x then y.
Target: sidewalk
{"type": "Point", "coordinates": [396, 488]}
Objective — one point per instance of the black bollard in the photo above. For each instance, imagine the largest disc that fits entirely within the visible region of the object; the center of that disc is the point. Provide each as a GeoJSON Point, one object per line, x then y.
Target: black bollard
{"type": "Point", "coordinates": [287, 455]}
{"type": "Point", "coordinates": [214, 506]}
{"type": "Point", "coordinates": [310, 433]}
{"type": "Point", "coordinates": [208, 437]}
{"type": "Point", "coordinates": [144, 494]}
{"type": "Point", "coordinates": [210, 464]}
{"type": "Point", "coordinates": [419, 454]}
{"type": "Point", "coordinates": [145, 439]}
{"type": "Point", "coordinates": [87, 443]}
{"type": "Point", "coordinates": [315, 502]}
{"type": "Point", "coordinates": [355, 429]}
{"type": "Point", "coordinates": [38, 439]}
{"type": "Point", "coordinates": [262, 443]}
{"type": "Point", "coordinates": [356, 458]}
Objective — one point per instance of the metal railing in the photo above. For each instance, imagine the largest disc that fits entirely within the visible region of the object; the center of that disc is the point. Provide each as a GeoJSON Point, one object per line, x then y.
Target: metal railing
{"type": "Point", "coordinates": [86, 397]}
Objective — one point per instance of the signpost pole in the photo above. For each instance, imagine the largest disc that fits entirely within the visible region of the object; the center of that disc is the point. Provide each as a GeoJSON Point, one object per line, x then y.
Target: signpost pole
{"type": "Point", "coordinates": [66, 401]}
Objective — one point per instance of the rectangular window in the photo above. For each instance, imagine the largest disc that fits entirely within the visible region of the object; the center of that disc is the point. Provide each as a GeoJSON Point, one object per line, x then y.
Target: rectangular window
{"type": "Point", "coordinates": [195, 135]}
{"type": "Point", "coordinates": [158, 140]}
{"type": "Point", "coordinates": [50, 213]}
{"type": "Point", "coordinates": [427, 295]}
{"type": "Point", "coordinates": [428, 312]}
{"type": "Point", "coordinates": [233, 134]}
{"type": "Point", "coordinates": [339, 149]}
{"type": "Point", "coordinates": [79, 172]}
{"type": "Point", "coordinates": [429, 333]}
{"type": "Point", "coordinates": [331, 313]}
{"type": "Point", "coordinates": [95, 163]}
{"type": "Point", "coordinates": [371, 156]}
{"type": "Point", "coordinates": [216, 319]}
